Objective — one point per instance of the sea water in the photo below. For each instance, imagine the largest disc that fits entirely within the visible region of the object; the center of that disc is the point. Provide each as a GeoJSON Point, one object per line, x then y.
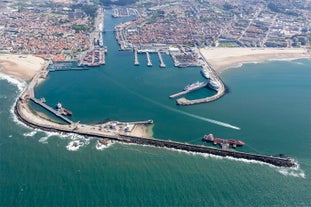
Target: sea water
{"type": "Point", "coordinates": [270, 103]}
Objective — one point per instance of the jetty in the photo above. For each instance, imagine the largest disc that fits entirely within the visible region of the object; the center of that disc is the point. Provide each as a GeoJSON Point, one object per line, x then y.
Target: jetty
{"type": "Point", "coordinates": [136, 62]}
{"type": "Point", "coordinates": [214, 83]}
{"type": "Point", "coordinates": [54, 69]}
{"type": "Point", "coordinates": [162, 64]}
{"type": "Point", "coordinates": [149, 64]}
{"type": "Point", "coordinates": [22, 111]}
{"type": "Point", "coordinates": [50, 109]}
{"type": "Point", "coordinates": [186, 91]}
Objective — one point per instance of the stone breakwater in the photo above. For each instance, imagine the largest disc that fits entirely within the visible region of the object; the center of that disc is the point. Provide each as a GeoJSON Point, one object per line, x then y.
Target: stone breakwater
{"type": "Point", "coordinates": [19, 110]}
{"type": "Point", "coordinates": [214, 83]}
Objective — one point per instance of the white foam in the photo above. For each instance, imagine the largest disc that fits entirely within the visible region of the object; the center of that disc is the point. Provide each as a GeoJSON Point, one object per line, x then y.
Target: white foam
{"type": "Point", "coordinates": [74, 145]}
{"type": "Point", "coordinates": [44, 140]}
{"type": "Point", "coordinates": [14, 81]}
{"type": "Point", "coordinates": [100, 146]}
{"type": "Point", "coordinates": [293, 172]}
{"type": "Point", "coordinates": [10, 136]}
{"type": "Point", "coordinates": [30, 134]}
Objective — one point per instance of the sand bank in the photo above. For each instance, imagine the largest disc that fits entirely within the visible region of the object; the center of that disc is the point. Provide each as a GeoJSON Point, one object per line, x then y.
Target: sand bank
{"type": "Point", "coordinates": [224, 58]}
{"type": "Point", "coordinates": [21, 66]}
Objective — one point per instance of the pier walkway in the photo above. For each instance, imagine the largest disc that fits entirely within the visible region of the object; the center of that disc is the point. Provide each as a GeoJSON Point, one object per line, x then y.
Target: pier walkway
{"type": "Point", "coordinates": [136, 62]}
{"type": "Point", "coordinates": [149, 63]}
{"type": "Point", "coordinates": [215, 83]}
{"type": "Point", "coordinates": [50, 109]}
{"type": "Point", "coordinates": [67, 69]}
{"type": "Point", "coordinates": [162, 64]}
{"type": "Point", "coordinates": [186, 91]}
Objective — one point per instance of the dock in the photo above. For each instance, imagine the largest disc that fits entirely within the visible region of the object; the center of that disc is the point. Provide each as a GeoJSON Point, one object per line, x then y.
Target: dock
{"type": "Point", "coordinates": [186, 91]}
{"type": "Point", "coordinates": [162, 64]}
{"type": "Point", "coordinates": [67, 69]}
{"type": "Point", "coordinates": [136, 62]}
{"type": "Point", "coordinates": [149, 64]}
{"type": "Point", "coordinates": [215, 83]}
{"type": "Point", "coordinates": [41, 103]}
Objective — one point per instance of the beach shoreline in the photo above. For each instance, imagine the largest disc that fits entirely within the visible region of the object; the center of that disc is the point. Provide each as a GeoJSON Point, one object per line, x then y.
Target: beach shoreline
{"type": "Point", "coordinates": [20, 66]}
{"type": "Point", "coordinates": [222, 59]}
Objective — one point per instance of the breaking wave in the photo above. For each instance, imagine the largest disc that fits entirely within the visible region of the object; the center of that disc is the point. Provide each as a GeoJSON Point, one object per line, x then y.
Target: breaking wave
{"type": "Point", "coordinates": [100, 146]}
{"type": "Point", "coordinates": [14, 81]}
{"type": "Point", "coordinates": [293, 172]}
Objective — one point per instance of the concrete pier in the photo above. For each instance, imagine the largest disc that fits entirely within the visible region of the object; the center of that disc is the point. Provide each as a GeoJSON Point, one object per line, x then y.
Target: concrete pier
{"type": "Point", "coordinates": [67, 69]}
{"type": "Point", "coordinates": [50, 109]}
{"type": "Point", "coordinates": [186, 91]}
{"type": "Point", "coordinates": [215, 83]}
{"type": "Point", "coordinates": [136, 62]}
{"type": "Point", "coordinates": [162, 64]}
{"type": "Point", "coordinates": [149, 64]}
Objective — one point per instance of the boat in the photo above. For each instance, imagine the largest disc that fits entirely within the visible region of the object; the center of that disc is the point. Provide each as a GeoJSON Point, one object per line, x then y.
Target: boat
{"type": "Point", "coordinates": [63, 110]}
{"type": "Point", "coordinates": [195, 85]}
{"type": "Point", "coordinates": [233, 142]}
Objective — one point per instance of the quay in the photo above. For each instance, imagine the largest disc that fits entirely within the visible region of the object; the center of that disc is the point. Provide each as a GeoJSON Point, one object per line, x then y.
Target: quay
{"type": "Point", "coordinates": [149, 64]}
{"type": "Point", "coordinates": [186, 91]}
{"type": "Point", "coordinates": [215, 83]}
{"type": "Point", "coordinates": [50, 109]}
{"type": "Point", "coordinates": [66, 69]}
{"type": "Point", "coordinates": [162, 64]}
{"type": "Point", "coordinates": [136, 62]}
{"type": "Point", "coordinates": [30, 93]}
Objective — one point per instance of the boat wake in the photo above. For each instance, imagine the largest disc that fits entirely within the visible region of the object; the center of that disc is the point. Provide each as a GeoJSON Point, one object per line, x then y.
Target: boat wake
{"type": "Point", "coordinates": [192, 115]}
{"type": "Point", "coordinates": [173, 109]}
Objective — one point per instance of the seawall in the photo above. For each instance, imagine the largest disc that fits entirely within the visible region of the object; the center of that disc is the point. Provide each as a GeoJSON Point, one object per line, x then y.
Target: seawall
{"type": "Point", "coordinates": [276, 161]}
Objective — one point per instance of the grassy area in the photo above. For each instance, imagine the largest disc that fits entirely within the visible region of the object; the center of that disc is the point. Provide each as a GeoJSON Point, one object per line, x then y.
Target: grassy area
{"type": "Point", "coordinates": [228, 44]}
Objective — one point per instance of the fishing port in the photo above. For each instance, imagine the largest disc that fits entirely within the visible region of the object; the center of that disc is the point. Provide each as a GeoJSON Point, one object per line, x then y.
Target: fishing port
{"type": "Point", "coordinates": [118, 131]}
{"type": "Point", "coordinates": [95, 56]}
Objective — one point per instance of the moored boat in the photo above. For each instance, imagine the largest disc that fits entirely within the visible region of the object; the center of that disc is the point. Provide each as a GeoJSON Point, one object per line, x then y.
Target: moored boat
{"type": "Point", "coordinates": [214, 140]}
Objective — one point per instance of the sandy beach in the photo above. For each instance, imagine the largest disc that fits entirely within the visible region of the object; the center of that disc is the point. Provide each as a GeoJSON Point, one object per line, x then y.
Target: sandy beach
{"type": "Point", "coordinates": [21, 66]}
{"type": "Point", "coordinates": [225, 58]}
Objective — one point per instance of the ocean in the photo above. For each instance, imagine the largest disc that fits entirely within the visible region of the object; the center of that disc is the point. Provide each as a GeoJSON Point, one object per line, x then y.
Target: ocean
{"type": "Point", "coordinates": [267, 107]}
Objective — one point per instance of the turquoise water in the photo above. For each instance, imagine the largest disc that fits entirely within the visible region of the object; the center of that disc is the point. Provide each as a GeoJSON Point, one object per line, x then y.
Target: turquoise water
{"type": "Point", "coordinates": [270, 102]}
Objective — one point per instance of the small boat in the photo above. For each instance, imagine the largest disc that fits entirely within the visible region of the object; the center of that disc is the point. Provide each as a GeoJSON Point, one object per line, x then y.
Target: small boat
{"type": "Point", "coordinates": [63, 110]}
